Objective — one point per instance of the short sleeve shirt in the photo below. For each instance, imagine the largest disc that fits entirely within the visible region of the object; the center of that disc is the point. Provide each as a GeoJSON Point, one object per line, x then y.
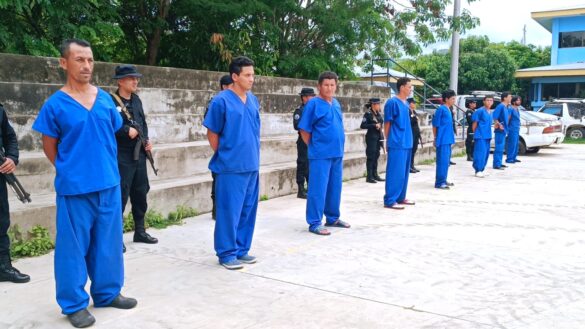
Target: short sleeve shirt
{"type": "Point", "coordinates": [484, 124]}
{"type": "Point", "coordinates": [514, 119]}
{"type": "Point", "coordinates": [87, 152]}
{"type": "Point", "coordinates": [398, 114]}
{"type": "Point", "coordinates": [502, 115]}
{"type": "Point", "coordinates": [238, 126]}
{"type": "Point", "coordinates": [443, 121]}
{"type": "Point", "coordinates": [324, 121]}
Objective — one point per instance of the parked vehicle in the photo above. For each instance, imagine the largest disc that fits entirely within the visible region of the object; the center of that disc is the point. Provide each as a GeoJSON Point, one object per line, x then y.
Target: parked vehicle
{"type": "Point", "coordinates": [572, 114]}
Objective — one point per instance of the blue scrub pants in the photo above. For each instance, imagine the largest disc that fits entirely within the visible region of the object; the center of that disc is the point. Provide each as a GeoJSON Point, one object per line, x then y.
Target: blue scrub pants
{"type": "Point", "coordinates": [324, 195]}
{"type": "Point", "coordinates": [236, 197]}
{"type": "Point", "coordinates": [442, 168]}
{"type": "Point", "coordinates": [481, 154]}
{"type": "Point", "coordinates": [500, 141]}
{"type": "Point", "coordinates": [88, 243]}
{"type": "Point", "coordinates": [512, 150]}
{"type": "Point", "coordinates": [397, 171]}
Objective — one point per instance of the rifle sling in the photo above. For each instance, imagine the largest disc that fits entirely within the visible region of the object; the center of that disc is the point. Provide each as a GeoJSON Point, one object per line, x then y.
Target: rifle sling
{"type": "Point", "coordinates": [122, 106]}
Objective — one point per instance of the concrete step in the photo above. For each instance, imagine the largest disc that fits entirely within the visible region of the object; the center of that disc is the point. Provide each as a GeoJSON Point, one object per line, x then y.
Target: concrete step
{"type": "Point", "coordinates": [177, 160]}
{"type": "Point", "coordinates": [276, 179]}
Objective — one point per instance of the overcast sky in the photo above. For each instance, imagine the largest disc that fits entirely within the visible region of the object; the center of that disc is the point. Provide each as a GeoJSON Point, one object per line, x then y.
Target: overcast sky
{"type": "Point", "coordinates": [503, 20]}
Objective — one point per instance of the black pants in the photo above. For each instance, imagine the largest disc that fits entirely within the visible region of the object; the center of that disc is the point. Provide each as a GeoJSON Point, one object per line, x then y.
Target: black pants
{"type": "Point", "coordinates": [302, 162]}
{"type": "Point", "coordinates": [469, 145]}
{"type": "Point", "coordinates": [415, 142]}
{"type": "Point", "coordinates": [4, 218]}
{"type": "Point", "coordinates": [134, 184]}
{"type": "Point", "coordinates": [372, 156]}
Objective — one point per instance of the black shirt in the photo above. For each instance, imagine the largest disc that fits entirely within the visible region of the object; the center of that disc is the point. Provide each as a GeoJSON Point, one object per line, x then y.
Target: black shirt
{"type": "Point", "coordinates": [9, 141]}
{"type": "Point", "coordinates": [369, 122]}
{"type": "Point", "coordinates": [134, 107]}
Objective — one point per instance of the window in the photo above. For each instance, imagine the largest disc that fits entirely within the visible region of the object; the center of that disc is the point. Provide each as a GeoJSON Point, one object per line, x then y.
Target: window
{"type": "Point", "coordinates": [572, 39]}
{"type": "Point", "coordinates": [554, 109]}
{"type": "Point", "coordinates": [576, 110]}
{"type": "Point", "coordinates": [551, 91]}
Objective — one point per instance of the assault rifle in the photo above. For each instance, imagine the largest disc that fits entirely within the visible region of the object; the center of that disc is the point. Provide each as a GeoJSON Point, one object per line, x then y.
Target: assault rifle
{"type": "Point", "coordinates": [141, 143]}
{"type": "Point", "coordinates": [15, 185]}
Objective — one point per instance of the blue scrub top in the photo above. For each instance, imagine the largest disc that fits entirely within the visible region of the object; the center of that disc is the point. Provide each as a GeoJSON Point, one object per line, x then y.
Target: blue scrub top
{"type": "Point", "coordinates": [87, 151]}
{"type": "Point", "coordinates": [324, 122]}
{"type": "Point", "coordinates": [514, 119]}
{"type": "Point", "coordinates": [238, 127]}
{"type": "Point", "coordinates": [484, 124]}
{"type": "Point", "coordinates": [443, 121]}
{"type": "Point", "coordinates": [502, 115]}
{"type": "Point", "coordinates": [397, 113]}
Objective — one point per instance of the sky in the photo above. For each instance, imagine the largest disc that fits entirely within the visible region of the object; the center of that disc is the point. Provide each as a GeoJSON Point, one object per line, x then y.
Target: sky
{"type": "Point", "coordinates": [503, 20]}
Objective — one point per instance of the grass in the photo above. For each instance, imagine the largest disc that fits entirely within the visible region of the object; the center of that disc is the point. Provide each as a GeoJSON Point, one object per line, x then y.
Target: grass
{"type": "Point", "coordinates": [263, 197]}
{"type": "Point", "coordinates": [574, 141]}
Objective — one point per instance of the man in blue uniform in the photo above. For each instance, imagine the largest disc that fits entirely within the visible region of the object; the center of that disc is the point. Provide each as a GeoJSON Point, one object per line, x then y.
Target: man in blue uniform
{"type": "Point", "coordinates": [8, 147]}
{"type": "Point", "coordinates": [482, 135]}
{"type": "Point", "coordinates": [302, 149]}
{"type": "Point", "coordinates": [513, 131]}
{"type": "Point", "coordinates": [233, 130]}
{"type": "Point", "coordinates": [225, 82]}
{"type": "Point", "coordinates": [78, 124]}
{"type": "Point", "coordinates": [399, 142]}
{"type": "Point", "coordinates": [501, 117]}
{"type": "Point", "coordinates": [444, 138]}
{"type": "Point", "coordinates": [322, 130]}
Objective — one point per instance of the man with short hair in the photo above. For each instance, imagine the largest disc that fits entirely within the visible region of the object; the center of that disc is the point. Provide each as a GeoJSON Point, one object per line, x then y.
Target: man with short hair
{"type": "Point", "coordinates": [482, 135]}
{"type": "Point", "coordinates": [501, 117]}
{"type": "Point", "coordinates": [471, 106]}
{"type": "Point", "coordinates": [321, 127]}
{"type": "Point", "coordinates": [225, 82]}
{"type": "Point", "coordinates": [9, 148]}
{"type": "Point", "coordinates": [233, 131]}
{"type": "Point", "coordinates": [373, 122]}
{"type": "Point", "coordinates": [399, 145]}
{"type": "Point", "coordinates": [444, 138]}
{"type": "Point", "coordinates": [302, 155]}
{"type": "Point", "coordinates": [513, 130]}
{"type": "Point", "coordinates": [78, 124]}
{"type": "Point", "coordinates": [131, 151]}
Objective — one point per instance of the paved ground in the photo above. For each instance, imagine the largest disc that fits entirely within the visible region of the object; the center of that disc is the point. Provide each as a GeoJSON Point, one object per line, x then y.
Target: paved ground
{"type": "Point", "coordinates": [501, 252]}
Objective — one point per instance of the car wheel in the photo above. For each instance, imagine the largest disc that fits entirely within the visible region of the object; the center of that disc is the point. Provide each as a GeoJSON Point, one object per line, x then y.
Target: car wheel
{"type": "Point", "coordinates": [533, 150]}
{"type": "Point", "coordinates": [576, 133]}
{"type": "Point", "coordinates": [521, 147]}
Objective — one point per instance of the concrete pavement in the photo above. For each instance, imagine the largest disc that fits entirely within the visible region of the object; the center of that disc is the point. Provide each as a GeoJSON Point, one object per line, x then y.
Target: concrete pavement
{"type": "Point", "coordinates": [505, 251]}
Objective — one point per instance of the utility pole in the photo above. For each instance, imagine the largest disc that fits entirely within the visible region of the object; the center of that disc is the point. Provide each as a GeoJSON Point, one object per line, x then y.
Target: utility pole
{"type": "Point", "coordinates": [455, 49]}
{"type": "Point", "coordinates": [524, 35]}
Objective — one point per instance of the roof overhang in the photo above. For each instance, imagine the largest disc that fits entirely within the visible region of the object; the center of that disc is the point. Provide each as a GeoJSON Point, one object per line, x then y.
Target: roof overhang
{"type": "Point", "coordinates": [520, 74]}
{"type": "Point", "coordinates": [391, 79]}
{"type": "Point", "coordinates": [545, 18]}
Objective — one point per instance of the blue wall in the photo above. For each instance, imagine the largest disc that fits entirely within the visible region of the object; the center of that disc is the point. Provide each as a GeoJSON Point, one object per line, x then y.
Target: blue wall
{"type": "Point", "coordinates": [566, 55]}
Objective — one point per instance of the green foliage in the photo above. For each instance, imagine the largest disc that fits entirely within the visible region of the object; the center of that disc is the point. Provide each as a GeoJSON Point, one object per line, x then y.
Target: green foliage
{"type": "Point", "coordinates": [155, 219]}
{"type": "Point", "coordinates": [574, 141]}
{"type": "Point", "coordinates": [289, 38]}
{"type": "Point", "coordinates": [181, 213]}
{"type": "Point", "coordinates": [128, 223]}
{"type": "Point", "coordinates": [263, 197]}
{"type": "Point", "coordinates": [483, 65]}
{"type": "Point", "coordinates": [36, 242]}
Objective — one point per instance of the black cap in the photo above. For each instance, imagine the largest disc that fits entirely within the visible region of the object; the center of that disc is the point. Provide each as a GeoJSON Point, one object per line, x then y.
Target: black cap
{"type": "Point", "coordinates": [226, 80]}
{"type": "Point", "coordinates": [410, 100]}
{"type": "Point", "coordinates": [307, 92]}
{"type": "Point", "coordinates": [126, 70]}
{"type": "Point", "coordinates": [374, 101]}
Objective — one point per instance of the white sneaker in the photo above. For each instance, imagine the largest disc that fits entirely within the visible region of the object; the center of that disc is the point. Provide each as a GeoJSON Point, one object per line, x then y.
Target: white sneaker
{"type": "Point", "coordinates": [479, 174]}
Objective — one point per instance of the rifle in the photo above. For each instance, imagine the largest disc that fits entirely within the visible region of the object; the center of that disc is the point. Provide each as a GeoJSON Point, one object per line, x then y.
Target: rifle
{"type": "Point", "coordinates": [15, 185]}
{"type": "Point", "coordinates": [381, 130]}
{"type": "Point", "coordinates": [141, 141]}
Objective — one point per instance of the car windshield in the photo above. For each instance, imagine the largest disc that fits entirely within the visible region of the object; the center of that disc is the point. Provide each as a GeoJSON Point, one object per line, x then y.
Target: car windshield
{"type": "Point", "coordinates": [554, 109]}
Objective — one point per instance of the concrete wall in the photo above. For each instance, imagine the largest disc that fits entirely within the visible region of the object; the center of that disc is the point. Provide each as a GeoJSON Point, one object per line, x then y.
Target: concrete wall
{"type": "Point", "coordinates": [174, 99]}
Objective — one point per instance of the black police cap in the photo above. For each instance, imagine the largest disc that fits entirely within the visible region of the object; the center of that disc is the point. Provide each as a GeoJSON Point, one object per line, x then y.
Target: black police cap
{"type": "Point", "coordinates": [126, 70]}
{"type": "Point", "coordinates": [307, 92]}
{"type": "Point", "coordinates": [374, 100]}
{"type": "Point", "coordinates": [226, 80]}
{"type": "Point", "coordinates": [410, 100]}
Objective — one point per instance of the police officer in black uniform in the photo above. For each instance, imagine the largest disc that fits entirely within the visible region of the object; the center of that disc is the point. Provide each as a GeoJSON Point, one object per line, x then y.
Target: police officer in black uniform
{"type": "Point", "coordinates": [302, 150]}
{"type": "Point", "coordinates": [373, 122]}
{"type": "Point", "coordinates": [416, 138]}
{"type": "Point", "coordinates": [9, 146]}
{"type": "Point", "coordinates": [471, 105]}
{"type": "Point", "coordinates": [133, 174]}
{"type": "Point", "coordinates": [225, 82]}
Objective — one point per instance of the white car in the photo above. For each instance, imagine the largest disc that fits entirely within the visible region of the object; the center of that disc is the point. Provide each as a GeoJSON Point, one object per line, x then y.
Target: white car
{"type": "Point", "coordinates": [571, 112]}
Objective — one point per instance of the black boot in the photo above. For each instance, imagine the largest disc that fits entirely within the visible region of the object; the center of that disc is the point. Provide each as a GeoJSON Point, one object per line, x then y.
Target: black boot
{"type": "Point", "coordinates": [213, 211]}
{"type": "Point", "coordinates": [469, 158]}
{"type": "Point", "coordinates": [81, 319]}
{"type": "Point", "coordinates": [9, 273]}
{"type": "Point", "coordinates": [142, 236]}
{"type": "Point", "coordinates": [302, 193]}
